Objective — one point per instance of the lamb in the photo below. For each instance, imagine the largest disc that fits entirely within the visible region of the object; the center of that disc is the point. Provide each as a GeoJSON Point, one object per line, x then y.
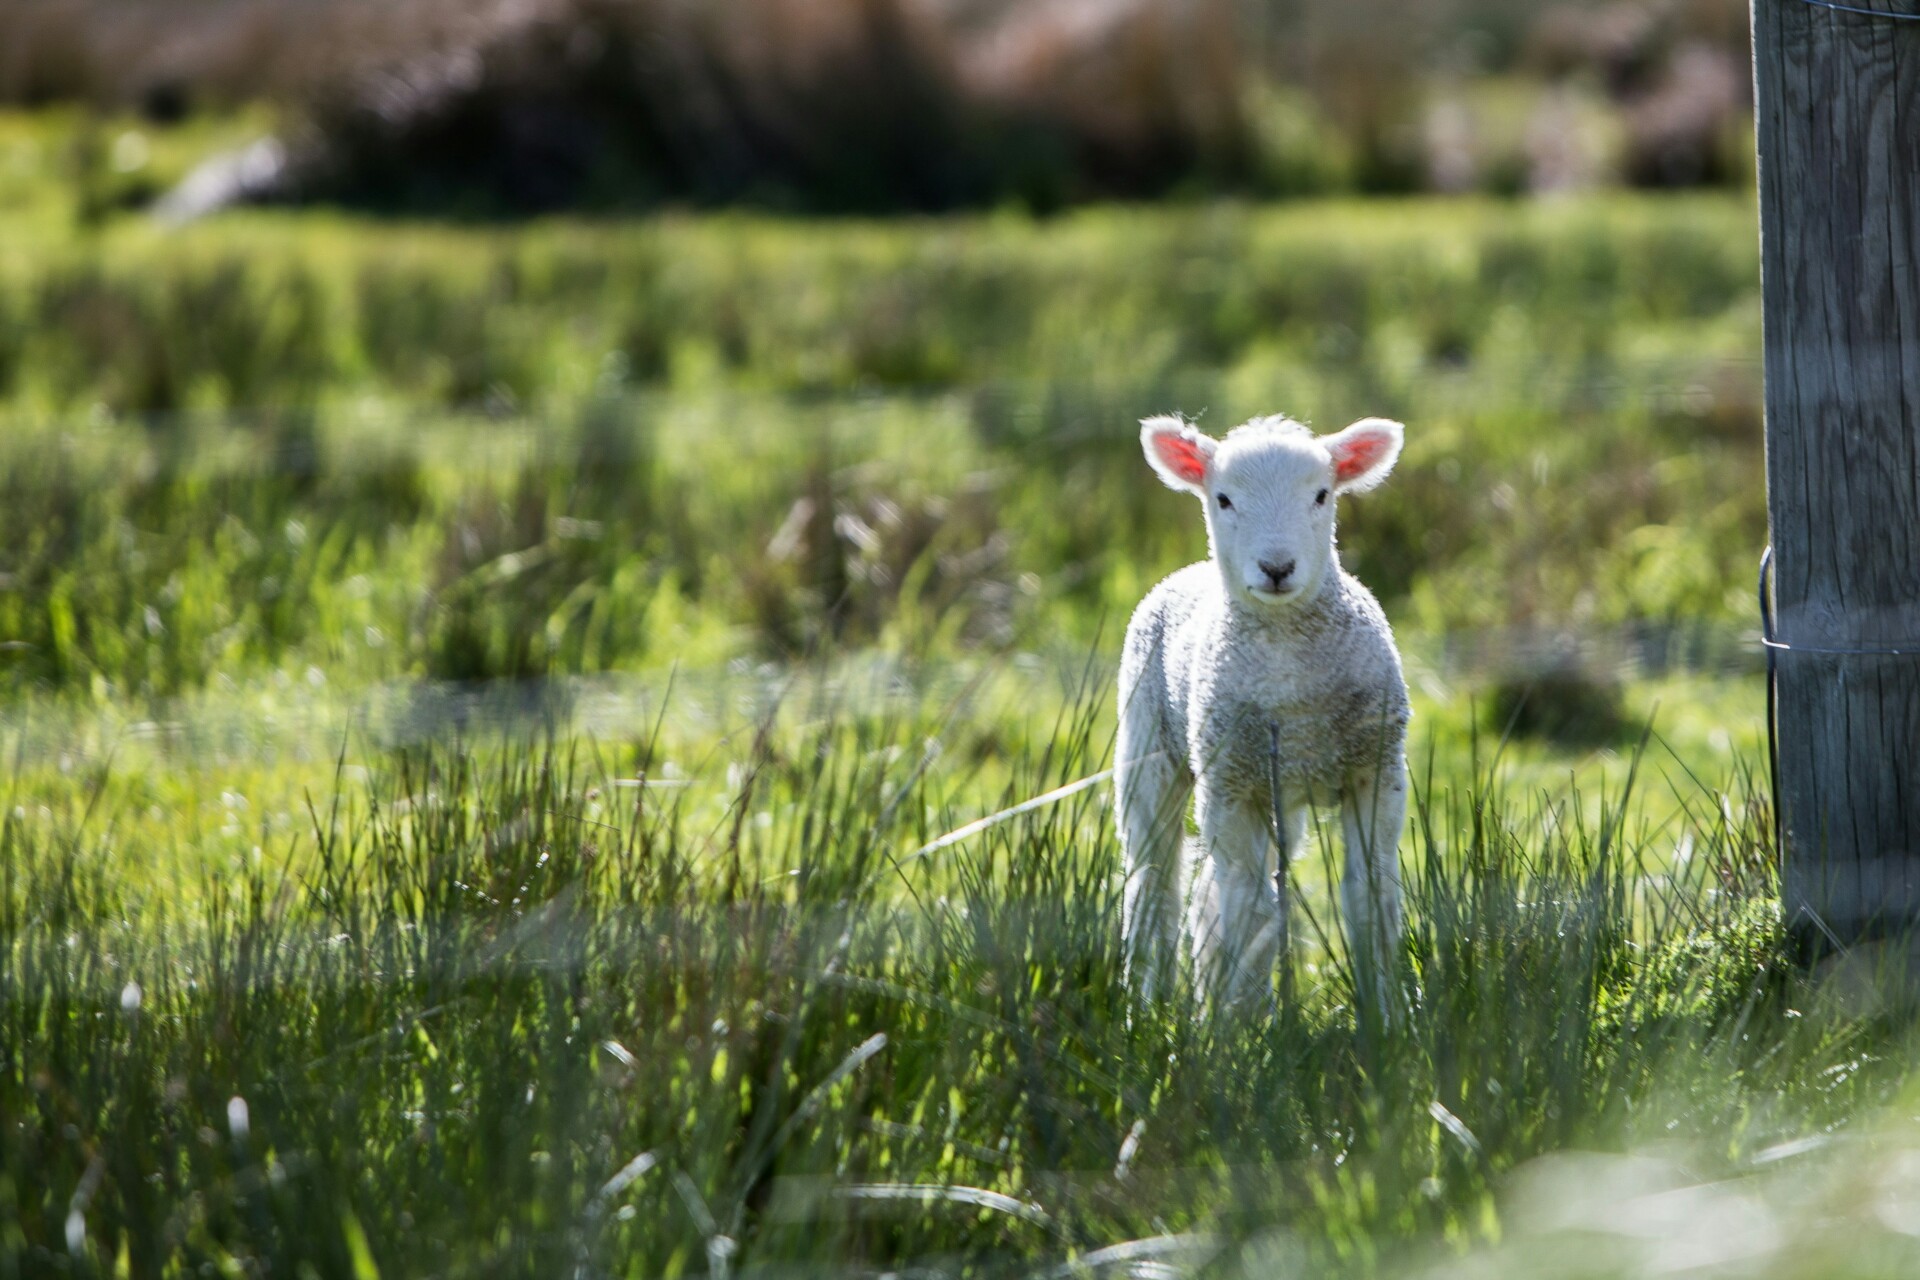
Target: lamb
{"type": "Point", "coordinates": [1267, 661]}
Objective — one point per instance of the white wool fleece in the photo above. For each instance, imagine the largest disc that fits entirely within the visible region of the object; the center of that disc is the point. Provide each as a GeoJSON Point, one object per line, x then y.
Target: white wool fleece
{"type": "Point", "coordinates": [1268, 632]}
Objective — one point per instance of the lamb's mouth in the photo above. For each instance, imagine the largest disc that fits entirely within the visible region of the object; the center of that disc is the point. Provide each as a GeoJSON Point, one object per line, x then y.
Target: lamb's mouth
{"type": "Point", "coordinates": [1267, 596]}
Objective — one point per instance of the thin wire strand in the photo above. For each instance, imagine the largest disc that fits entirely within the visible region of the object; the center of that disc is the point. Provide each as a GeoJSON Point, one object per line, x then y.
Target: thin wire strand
{"type": "Point", "coordinates": [1773, 698]}
{"type": "Point", "coordinates": [1773, 644]}
{"type": "Point", "coordinates": [1871, 13]}
{"type": "Point", "coordinates": [1909, 650]}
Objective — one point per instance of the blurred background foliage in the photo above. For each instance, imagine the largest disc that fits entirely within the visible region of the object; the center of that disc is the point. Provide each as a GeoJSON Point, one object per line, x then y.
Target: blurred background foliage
{"type": "Point", "coordinates": [572, 447]}
{"type": "Point", "coordinates": [489, 107]}
{"type": "Point", "coordinates": [404, 430]}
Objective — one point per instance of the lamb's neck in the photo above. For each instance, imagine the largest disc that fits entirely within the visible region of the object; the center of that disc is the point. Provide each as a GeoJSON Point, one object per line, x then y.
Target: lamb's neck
{"type": "Point", "coordinates": [1298, 620]}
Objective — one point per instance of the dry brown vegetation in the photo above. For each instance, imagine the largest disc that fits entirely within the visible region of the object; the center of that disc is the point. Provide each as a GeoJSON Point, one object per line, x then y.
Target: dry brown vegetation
{"type": "Point", "coordinates": [516, 105]}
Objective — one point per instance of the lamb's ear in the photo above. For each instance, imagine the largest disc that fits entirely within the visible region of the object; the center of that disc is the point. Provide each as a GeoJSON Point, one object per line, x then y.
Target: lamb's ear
{"type": "Point", "coordinates": [1180, 454]}
{"type": "Point", "coordinates": [1363, 453]}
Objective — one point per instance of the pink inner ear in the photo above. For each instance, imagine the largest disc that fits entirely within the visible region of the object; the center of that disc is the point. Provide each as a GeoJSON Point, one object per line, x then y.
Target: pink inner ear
{"type": "Point", "coordinates": [1356, 456]}
{"type": "Point", "coordinates": [1181, 456]}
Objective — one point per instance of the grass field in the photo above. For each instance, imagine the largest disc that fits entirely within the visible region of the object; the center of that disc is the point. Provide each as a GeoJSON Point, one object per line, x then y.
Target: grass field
{"type": "Point", "coordinates": [478, 700]}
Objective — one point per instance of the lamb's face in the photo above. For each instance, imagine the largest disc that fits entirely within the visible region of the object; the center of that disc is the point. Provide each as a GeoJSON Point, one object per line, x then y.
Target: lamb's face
{"type": "Point", "coordinates": [1268, 489]}
{"type": "Point", "coordinates": [1269, 512]}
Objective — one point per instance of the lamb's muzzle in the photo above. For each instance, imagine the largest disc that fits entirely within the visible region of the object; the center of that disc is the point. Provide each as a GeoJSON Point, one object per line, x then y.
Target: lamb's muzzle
{"type": "Point", "coordinates": [1277, 575]}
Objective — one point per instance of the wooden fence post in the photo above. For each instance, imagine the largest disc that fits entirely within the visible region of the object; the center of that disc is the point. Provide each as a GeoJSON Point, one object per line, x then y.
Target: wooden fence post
{"type": "Point", "coordinates": [1837, 98]}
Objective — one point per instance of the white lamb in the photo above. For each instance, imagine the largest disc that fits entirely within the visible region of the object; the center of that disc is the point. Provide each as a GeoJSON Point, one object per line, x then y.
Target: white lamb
{"type": "Point", "coordinates": [1266, 659]}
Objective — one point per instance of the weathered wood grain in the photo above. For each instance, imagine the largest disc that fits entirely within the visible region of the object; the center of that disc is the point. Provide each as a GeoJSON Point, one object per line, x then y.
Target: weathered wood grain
{"type": "Point", "coordinates": [1838, 115]}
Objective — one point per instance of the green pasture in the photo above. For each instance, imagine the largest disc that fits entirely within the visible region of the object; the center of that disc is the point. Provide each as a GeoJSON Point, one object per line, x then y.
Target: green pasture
{"type": "Point", "coordinates": [574, 446]}
{"type": "Point", "coordinates": [478, 700]}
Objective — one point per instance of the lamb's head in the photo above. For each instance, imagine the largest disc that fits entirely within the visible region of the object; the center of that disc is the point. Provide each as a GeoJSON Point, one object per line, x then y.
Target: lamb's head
{"type": "Point", "coordinates": [1269, 490]}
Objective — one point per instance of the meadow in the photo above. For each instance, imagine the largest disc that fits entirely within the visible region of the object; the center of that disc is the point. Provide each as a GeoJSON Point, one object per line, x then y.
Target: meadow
{"type": "Point", "coordinates": [483, 704]}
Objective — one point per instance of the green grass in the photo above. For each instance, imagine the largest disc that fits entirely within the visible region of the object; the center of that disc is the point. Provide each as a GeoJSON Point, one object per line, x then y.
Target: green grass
{"type": "Point", "coordinates": [568, 447]}
{"type": "Point", "coordinates": [476, 695]}
{"type": "Point", "coordinates": [532, 1006]}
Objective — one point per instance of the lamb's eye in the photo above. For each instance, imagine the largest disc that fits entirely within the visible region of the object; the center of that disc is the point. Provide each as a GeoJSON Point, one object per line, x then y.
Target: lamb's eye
{"type": "Point", "coordinates": [1226, 503]}
{"type": "Point", "coordinates": [1320, 499]}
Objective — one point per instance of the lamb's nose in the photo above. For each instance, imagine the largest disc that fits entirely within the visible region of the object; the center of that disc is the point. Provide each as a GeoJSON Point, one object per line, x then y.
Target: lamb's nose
{"type": "Point", "coordinates": [1277, 574]}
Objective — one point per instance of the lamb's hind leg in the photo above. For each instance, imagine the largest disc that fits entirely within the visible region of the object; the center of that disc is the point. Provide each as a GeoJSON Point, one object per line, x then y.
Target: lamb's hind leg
{"type": "Point", "coordinates": [1152, 789]}
{"type": "Point", "coordinates": [1373, 810]}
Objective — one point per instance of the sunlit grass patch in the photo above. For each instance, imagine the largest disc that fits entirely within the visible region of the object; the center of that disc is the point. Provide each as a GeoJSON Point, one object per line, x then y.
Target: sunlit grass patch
{"type": "Point", "coordinates": [542, 1005]}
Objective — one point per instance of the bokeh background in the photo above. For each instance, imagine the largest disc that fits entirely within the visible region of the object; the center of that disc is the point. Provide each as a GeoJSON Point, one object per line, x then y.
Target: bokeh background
{"type": "Point", "coordinates": [896, 105]}
{"type": "Point", "coordinates": [448, 284]}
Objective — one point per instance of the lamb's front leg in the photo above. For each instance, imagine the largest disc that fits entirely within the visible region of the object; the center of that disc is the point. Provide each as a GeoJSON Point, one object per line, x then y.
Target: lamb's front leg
{"type": "Point", "coordinates": [1235, 943]}
{"type": "Point", "coordinates": [1373, 809]}
{"type": "Point", "coordinates": [1153, 791]}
